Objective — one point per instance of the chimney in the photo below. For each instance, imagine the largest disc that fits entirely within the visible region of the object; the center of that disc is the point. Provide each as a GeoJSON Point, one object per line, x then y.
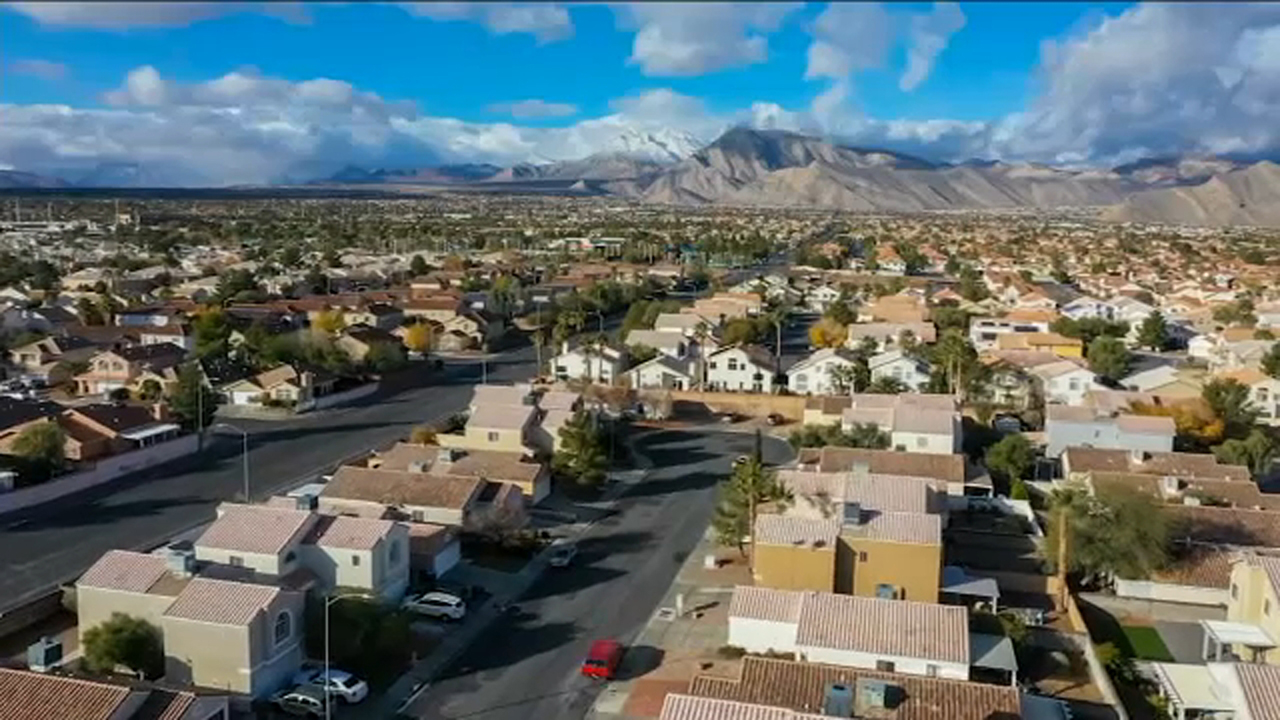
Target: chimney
{"type": "Point", "coordinates": [160, 412]}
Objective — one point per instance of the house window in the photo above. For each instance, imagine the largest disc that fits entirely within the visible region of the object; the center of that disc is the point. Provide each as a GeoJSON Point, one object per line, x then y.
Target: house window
{"type": "Point", "coordinates": [1235, 592]}
{"type": "Point", "coordinates": [1074, 384]}
{"type": "Point", "coordinates": [733, 363]}
{"type": "Point", "coordinates": [1266, 607]}
{"type": "Point", "coordinates": [862, 556]}
{"type": "Point", "coordinates": [712, 364]}
{"type": "Point", "coordinates": [284, 627]}
{"type": "Point", "coordinates": [290, 556]}
{"type": "Point", "coordinates": [931, 670]}
{"type": "Point", "coordinates": [235, 561]}
{"type": "Point", "coordinates": [493, 437]}
{"type": "Point", "coordinates": [884, 666]}
{"type": "Point", "coordinates": [355, 560]}
{"type": "Point", "coordinates": [418, 516]}
{"type": "Point", "coordinates": [885, 591]}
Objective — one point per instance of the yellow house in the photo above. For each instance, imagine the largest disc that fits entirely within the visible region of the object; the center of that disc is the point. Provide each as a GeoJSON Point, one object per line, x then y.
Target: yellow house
{"type": "Point", "coordinates": [868, 535]}
{"type": "Point", "coordinates": [1060, 345]}
{"type": "Point", "coordinates": [1254, 599]}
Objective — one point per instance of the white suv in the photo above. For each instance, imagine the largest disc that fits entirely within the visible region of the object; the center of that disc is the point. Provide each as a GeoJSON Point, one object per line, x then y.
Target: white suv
{"type": "Point", "coordinates": [437, 605]}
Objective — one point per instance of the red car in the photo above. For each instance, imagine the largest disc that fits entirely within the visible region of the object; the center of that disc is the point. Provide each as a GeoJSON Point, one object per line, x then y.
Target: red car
{"type": "Point", "coordinates": [602, 660]}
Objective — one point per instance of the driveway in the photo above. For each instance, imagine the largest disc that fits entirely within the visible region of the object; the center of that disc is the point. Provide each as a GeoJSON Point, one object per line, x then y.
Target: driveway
{"type": "Point", "coordinates": [528, 666]}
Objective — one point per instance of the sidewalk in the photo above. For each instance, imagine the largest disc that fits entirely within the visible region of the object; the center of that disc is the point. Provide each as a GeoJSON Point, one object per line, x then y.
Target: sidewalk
{"type": "Point", "coordinates": [413, 682]}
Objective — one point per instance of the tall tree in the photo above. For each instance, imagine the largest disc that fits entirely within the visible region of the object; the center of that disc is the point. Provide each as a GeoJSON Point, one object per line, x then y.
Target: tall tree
{"type": "Point", "coordinates": [125, 641]}
{"type": "Point", "coordinates": [582, 456]}
{"type": "Point", "coordinates": [1256, 452]}
{"type": "Point", "coordinates": [331, 321]}
{"type": "Point", "coordinates": [1229, 400]}
{"type": "Point", "coordinates": [417, 337]}
{"type": "Point", "coordinates": [827, 333]}
{"type": "Point", "coordinates": [1109, 357]}
{"type": "Point", "coordinates": [1271, 361]}
{"type": "Point", "coordinates": [1012, 457]}
{"type": "Point", "coordinates": [418, 266]}
{"type": "Point", "coordinates": [1154, 331]}
{"type": "Point", "coordinates": [1116, 533]}
{"type": "Point", "coordinates": [212, 331]}
{"type": "Point", "coordinates": [751, 486]}
{"type": "Point", "coordinates": [192, 401]}
{"type": "Point", "coordinates": [42, 447]}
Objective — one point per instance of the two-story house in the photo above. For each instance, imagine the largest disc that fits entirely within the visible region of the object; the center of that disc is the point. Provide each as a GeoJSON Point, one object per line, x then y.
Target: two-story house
{"type": "Point", "coordinates": [44, 358]}
{"type": "Point", "coordinates": [741, 368]}
{"type": "Point", "coordinates": [602, 364]}
{"type": "Point", "coordinates": [915, 422]}
{"type": "Point", "coordinates": [910, 370]}
{"type": "Point", "coordinates": [1254, 599]}
{"type": "Point", "coordinates": [130, 368]}
{"type": "Point", "coordinates": [1067, 426]}
{"type": "Point", "coordinates": [821, 373]}
{"type": "Point", "coordinates": [32, 695]}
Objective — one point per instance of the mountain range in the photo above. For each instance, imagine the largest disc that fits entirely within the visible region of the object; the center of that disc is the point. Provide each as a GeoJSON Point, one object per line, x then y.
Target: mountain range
{"type": "Point", "coordinates": [786, 169]}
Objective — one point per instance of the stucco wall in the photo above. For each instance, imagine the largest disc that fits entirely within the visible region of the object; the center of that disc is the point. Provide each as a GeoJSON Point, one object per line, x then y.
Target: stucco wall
{"type": "Point", "coordinates": [760, 636]}
{"type": "Point", "coordinates": [95, 606]}
{"type": "Point", "coordinates": [790, 407]}
{"type": "Point", "coordinates": [914, 569]}
{"type": "Point", "coordinates": [906, 665]}
{"type": "Point", "coordinates": [797, 567]}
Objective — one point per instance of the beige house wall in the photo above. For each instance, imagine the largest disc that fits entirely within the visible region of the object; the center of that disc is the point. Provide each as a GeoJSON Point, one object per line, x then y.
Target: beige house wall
{"type": "Point", "coordinates": [916, 570]}
{"type": "Point", "coordinates": [795, 567]}
{"type": "Point", "coordinates": [1252, 600]}
{"type": "Point", "coordinates": [95, 606]}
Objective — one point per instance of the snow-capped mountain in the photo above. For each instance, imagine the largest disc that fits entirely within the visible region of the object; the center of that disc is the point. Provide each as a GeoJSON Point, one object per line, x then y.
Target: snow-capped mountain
{"type": "Point", "coordinates": [660, 146]}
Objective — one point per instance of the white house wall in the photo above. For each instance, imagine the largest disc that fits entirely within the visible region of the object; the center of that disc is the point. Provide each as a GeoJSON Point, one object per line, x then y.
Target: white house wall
{"type": "Point", "coordinates": [905, 665]}
{"type": "Point", "coordinates": [761, 636]}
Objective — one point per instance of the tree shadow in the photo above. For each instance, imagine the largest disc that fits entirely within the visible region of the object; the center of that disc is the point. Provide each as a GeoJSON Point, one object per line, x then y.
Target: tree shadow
{"type": "Point", "coordinates": [638, 661]}
{"type": "Point", "coordinates": [104, 514]}
{"type": "Point", "coordinates": [507, 642]}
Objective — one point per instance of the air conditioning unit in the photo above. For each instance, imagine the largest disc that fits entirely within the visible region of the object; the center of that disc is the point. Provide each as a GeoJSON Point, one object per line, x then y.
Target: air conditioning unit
{"type": "Point", "coordinates": [180, 558]}
{"type": "Point", "coordinates": [872, 694]}
{"type": "Point", "coordinates": [45, 654]}
{"type": "Point", "coordinates": [306, 501]}
{"type": "Point", "coordinates": [837, 701]}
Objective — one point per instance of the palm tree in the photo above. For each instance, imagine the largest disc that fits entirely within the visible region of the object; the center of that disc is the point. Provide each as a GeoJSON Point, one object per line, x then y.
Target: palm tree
{"type": "Point", "coordinates": [702, 331]}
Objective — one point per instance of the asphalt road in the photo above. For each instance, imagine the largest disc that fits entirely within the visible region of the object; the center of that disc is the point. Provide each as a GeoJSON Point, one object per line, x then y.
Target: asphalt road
{"type": "Point", "coordinates": [527, 666]}
{"type": "Point", "coordinates": [43, 546]}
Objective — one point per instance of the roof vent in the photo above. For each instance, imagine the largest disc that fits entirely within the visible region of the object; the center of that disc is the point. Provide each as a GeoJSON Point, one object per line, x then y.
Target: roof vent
{"type": "Point", "coordinates": [837, 701]}
{"type": "Point", "coordinates": [180, 558]}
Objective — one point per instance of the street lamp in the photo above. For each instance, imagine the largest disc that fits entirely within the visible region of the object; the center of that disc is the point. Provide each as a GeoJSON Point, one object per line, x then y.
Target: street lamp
{"type": "Point", "coordinates": [328, 692]}
{"type": "Point", "coordinates": [245, 436]}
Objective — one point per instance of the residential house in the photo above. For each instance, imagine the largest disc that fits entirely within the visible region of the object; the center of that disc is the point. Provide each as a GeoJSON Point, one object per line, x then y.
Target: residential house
{"type": "Point", "coordinates": [896, 309]}
{"type": "Point", "coordinates": [817, 299]}
{"type": "Point", "coordinates": [910, 370]}
{"type": "Point", "coordinates": [28, 695]}
{"type": "Point", "coordinates": [281, 385]}
{"type": "Point", "coordinates": [420, 497]}
{"type": "Point", "coordinates": [889, 335]}
{"type": "Point", "coordinates": [985, 332]}
{"type": "Point", "coordinates": [174, 333]}
{"type": "Point", "coordinates": [357, 341]}
{"type": "Point", "coordinates": [903, 636]}
{"type": "Point", "coordinates": [18, 415]}
{"type": "Point", "coordinates": [376, 315]}
{"type": "Point", "coordinates": [433, 551]}
{"type": "Point", "coordinates": [663, 373]}
{"type": "Point", "coordinates": [1166, 380]}
{"type": "Point", "coordinates": [49, 359]}
{"type": "Point", "coordinates": [243, 637]}
{"type": "Point", "coordinates": [817, 374]}
{"type": "Point", "coordinates": [948, 469]}
{"type": "Point", "coordinates": [855, 533]}
{"type": "Point", "coordinates": [1264, 392]}
{"type": "Point", "coordinates": [440, 308]}
{"type": "Point", "coordinates": [671, 343]}
{"type": "Point", "coordinates": [1060, 345]}
{"type": "Point", "coordinates": [98, 430]}
{"type": "Point", "coordinates": [1065, 382]}
{"type": "Point", "coordinates": [149, 316]}
{"type": "Point", "coordinates": [1067, 426]}
{"type": "Point", "coordinates": [131, 368]}
{"type": "Point", "coordinates": [532, 478]}
{"type": "Point", "coordinates": [741, 368]}
{"type": "Point", "coordinates": [370, 554]}
{"type": "Point", "coordinates": [774, 689]}
{"type": "Point", "coordinates": [496, 426]}
{"type": "Point", "coordinates": [1254, 601]}
{"type": "Point", "coordinates": [916, 422]}
{"type": "Point", "coordinates": [1086, 307]}
{"type": "Point", "coordinates": [685, 323]}
{"type": "Point", "coordinates": [602, 364]}
{"type": "Point", "coordinates": [1078, 463]}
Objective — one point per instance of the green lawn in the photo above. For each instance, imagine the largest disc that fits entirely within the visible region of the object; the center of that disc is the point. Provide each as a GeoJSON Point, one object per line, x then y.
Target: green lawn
{"type": "Point", "coordinates": [1146, 643]}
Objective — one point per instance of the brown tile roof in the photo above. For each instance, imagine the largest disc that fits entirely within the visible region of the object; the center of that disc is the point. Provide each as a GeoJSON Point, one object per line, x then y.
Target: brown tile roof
{"type": "Point", "coordinates": [488, 464]}
{"type": "Point", "coordinates": [761, 603]}
{"type": "Point", "coordinates": [1261, 685]}
{"type": "Point", "coordinates": [500, 417]}
{"type": "Point", "coordinates": [164, 704]}
{"type": "Point", "coordinates": [392, 488]}
{"type": "Point", "coordinates": [222, 602]}
{"type": "Point", "coordinates": [33, 696]}
{"type": "Point", "coordinates": [257, 529]}
{"type": "Point", "coordinates": [887, 627]}
{"type": "Point", "coordinates": [1227, 526]}
{"type": "Point", "coordinates": [1270, 565]}
{"type": "Point", "coordinates": [886, 493]}
{"type": "Point", "coordinates": [889, 462]}
{"type": "Point", "coordinates": [901, 527]}
{"type": "Point", "coordinates": [801, 687]}
{"type": "Point", "coordinates": [1207, 566]}
{"type": "Point", "coordinates": [125, 571]}
{"type": "Point", "coordinates": [348, 533]}
{"type": "Point", "coordinates": [428, 539]}
{"type": "Point", "coordinates": [1197, 465]}
{"type": "Point", "coordinates": [687, 707]}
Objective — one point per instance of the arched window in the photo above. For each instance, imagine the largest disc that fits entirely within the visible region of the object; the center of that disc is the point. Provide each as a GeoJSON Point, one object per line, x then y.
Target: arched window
{"type": "Point", "coordinates": [284, 627]}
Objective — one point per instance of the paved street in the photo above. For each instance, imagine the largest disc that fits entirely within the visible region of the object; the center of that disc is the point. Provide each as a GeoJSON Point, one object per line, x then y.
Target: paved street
{"type": "Point", "coordinates": [56, 542]}
{"type": "Point", "coordinates": [527, 666]}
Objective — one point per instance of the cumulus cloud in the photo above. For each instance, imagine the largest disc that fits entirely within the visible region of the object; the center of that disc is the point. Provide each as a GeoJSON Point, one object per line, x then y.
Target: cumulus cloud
{"type": "Point", "coordinates": [533, 108]}
{"type": "Point", "coordinates": [548, 22]}
{"type": "Point", "coordinates": [929, 36]}
{"type": "Point", "coordinates": [684, 39]}
{"type": "Point", "coordinates": [849, 38]}
{"type": "Point", "coordinates": [1157, 79]}
{"type": "Point", "coordinates": [43, 69]}
{"type": "Point", "coordinates": [129, 15]}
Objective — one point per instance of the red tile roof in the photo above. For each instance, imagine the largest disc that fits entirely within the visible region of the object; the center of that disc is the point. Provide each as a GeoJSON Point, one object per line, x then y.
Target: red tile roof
{"type": "Point", "coordinates": [32, 696]}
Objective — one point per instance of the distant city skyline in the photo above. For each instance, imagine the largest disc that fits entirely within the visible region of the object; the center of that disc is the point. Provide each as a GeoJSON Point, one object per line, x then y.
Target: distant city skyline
{"type": "Point", "coordinates": [216, 93]}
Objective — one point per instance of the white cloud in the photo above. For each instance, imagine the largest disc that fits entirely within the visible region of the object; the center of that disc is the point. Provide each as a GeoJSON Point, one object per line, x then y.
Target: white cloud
{"type": "Point", "coordinates": [129, 15]}
{"type": "Point", "coordinates": [533, 108]}
{"type": "Point", "coordinates": [548, 22]}
{"type": "Point", "coordinates": [848, 38]}
{"type": "Point", "coordinates": [684, 39]}
{"type": "Point", "coordinates": [929, 36]}
{"type": "Point", "coordinates": [1159, 78]}
{"type": "Point", "coordinates": [43, 69]}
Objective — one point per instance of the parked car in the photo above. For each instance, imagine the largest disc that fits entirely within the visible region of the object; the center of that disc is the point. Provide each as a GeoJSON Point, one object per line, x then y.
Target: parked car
{"type": "Point", "coordinates": [342, 684]}
{"type": "Point", "coordinates": [301, 701]}
{"type": "Point", "coordinates": [436, 604]}
{"type": "Point", "coordinates": [563, 555]}
{"type": "Point", "coordinates": [602, 660]}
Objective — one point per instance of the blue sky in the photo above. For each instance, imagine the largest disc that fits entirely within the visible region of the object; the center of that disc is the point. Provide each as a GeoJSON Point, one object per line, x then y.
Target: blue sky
{"type": "Point", "coordinates": [1044, 81]}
